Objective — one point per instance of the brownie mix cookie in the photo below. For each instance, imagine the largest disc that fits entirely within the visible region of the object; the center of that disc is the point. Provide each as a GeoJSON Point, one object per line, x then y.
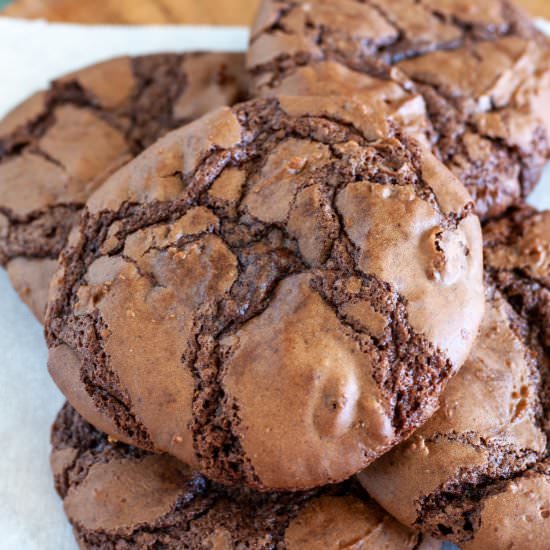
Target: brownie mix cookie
{"type": "Point", "coordinates": [61, 144]}
{"type": "Point", "coordinates": [479, 70]}
{"type": "Point", "coordinates": [478, 472]}
{"type": "Point", "coordinates": [275, 294]}
{"type": "Point", "coordinates": [117, 496]}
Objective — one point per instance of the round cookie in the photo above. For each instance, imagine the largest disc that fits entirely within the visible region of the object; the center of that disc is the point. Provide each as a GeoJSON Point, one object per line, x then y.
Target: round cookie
{"type": "Point", "coordinates": [480, 70]}
{"type": "Point", "coordinates": [61, 144]}
{"type": "Point", "coordinates": [275, 294]}
{"type": "Point", "coordinates": [117, 496]}
{"type": "Point", "coordinates": [478, 472]}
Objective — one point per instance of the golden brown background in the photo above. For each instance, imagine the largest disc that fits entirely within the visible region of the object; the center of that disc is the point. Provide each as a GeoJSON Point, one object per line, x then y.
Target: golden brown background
{"type": "Point", "coordinates": [218, 12]}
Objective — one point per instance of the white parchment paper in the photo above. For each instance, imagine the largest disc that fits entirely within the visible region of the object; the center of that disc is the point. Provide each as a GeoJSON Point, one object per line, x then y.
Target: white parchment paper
{"type": "Point", "coordinates": [31, 54]}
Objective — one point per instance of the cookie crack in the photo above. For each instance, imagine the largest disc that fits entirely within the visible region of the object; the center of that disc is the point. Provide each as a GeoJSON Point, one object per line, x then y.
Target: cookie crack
{"type": "Point", "coordinates": [453, 510]}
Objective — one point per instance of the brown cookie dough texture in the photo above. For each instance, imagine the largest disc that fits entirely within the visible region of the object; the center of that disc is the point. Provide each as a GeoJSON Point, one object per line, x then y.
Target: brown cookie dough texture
{"type": "Point", "coordinates": [61, 144]}
{"type": "Point", "coordinates": [117, 496]}
{"type": "Point", "coordinates": [275, 294]}
{"type": "Point", "coordinates": [471, 78]}
{"type": "Point", "coordinates": [478, 473]}
{"type": "Point", "coordinates": [517, 259]}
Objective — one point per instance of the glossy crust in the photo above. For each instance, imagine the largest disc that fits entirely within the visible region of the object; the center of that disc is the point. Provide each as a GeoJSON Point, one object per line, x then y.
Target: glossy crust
{"type": "Point", "coordinates": [117, 496]}
{"type": "Point", "coordinates": [255, 286]}
{"type": "Point", "coordinates": [478, 471]}
{"type": "Point", "coordinates": [478, 70]}
{"type": "Point", "coordinates": [61, 144]}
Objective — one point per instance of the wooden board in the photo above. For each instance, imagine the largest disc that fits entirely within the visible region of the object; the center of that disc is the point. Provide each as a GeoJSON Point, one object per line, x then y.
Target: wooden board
{"type": "Point", "coordinates": [540, 8]}
{"type": "Point", "coordinates": [214, 12]}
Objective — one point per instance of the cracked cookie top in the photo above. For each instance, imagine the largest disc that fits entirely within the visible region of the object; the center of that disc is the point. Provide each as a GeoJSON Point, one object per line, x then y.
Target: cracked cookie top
{"type": "Point", "coordinates": [117, 496]}
{"type": "Point", "coordinates": [275, 294]}
{"type": "Point", "coordinates": [477, 71]}
{"type": "Point", "coordinates": [477, 473]}
{"type": "Point", "coordinates": [61, 144]}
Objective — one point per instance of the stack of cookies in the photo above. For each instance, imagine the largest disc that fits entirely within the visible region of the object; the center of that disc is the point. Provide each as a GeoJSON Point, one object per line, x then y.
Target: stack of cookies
{"type": "Point", "coordinates": [315, 319]}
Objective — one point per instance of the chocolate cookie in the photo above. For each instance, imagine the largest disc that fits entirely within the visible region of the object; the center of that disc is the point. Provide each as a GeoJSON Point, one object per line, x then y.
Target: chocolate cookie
{"type": "Point", "coordinates": [117, 496]}
{"type": "Point", "coordinates": [275, 294]}
{"type": "Point", "coordinates": [61, 144]}
{"type": "Point", "coordinates": [478, 472]}
{"type": "Point", "coordinates": [481, 69]}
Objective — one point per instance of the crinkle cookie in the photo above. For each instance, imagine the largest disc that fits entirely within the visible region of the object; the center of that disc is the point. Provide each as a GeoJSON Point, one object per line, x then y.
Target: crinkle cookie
{"type": "Point", "coordinates": [276, 294]}
{"type": "Point", "coordinates": [117, 496]}
{"type": "Point", "coordinates": [61, 144]}
{"type": "Point", "coordinates": [478, 472]}
{"type": "Point", "coordinates": [479, 71]}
